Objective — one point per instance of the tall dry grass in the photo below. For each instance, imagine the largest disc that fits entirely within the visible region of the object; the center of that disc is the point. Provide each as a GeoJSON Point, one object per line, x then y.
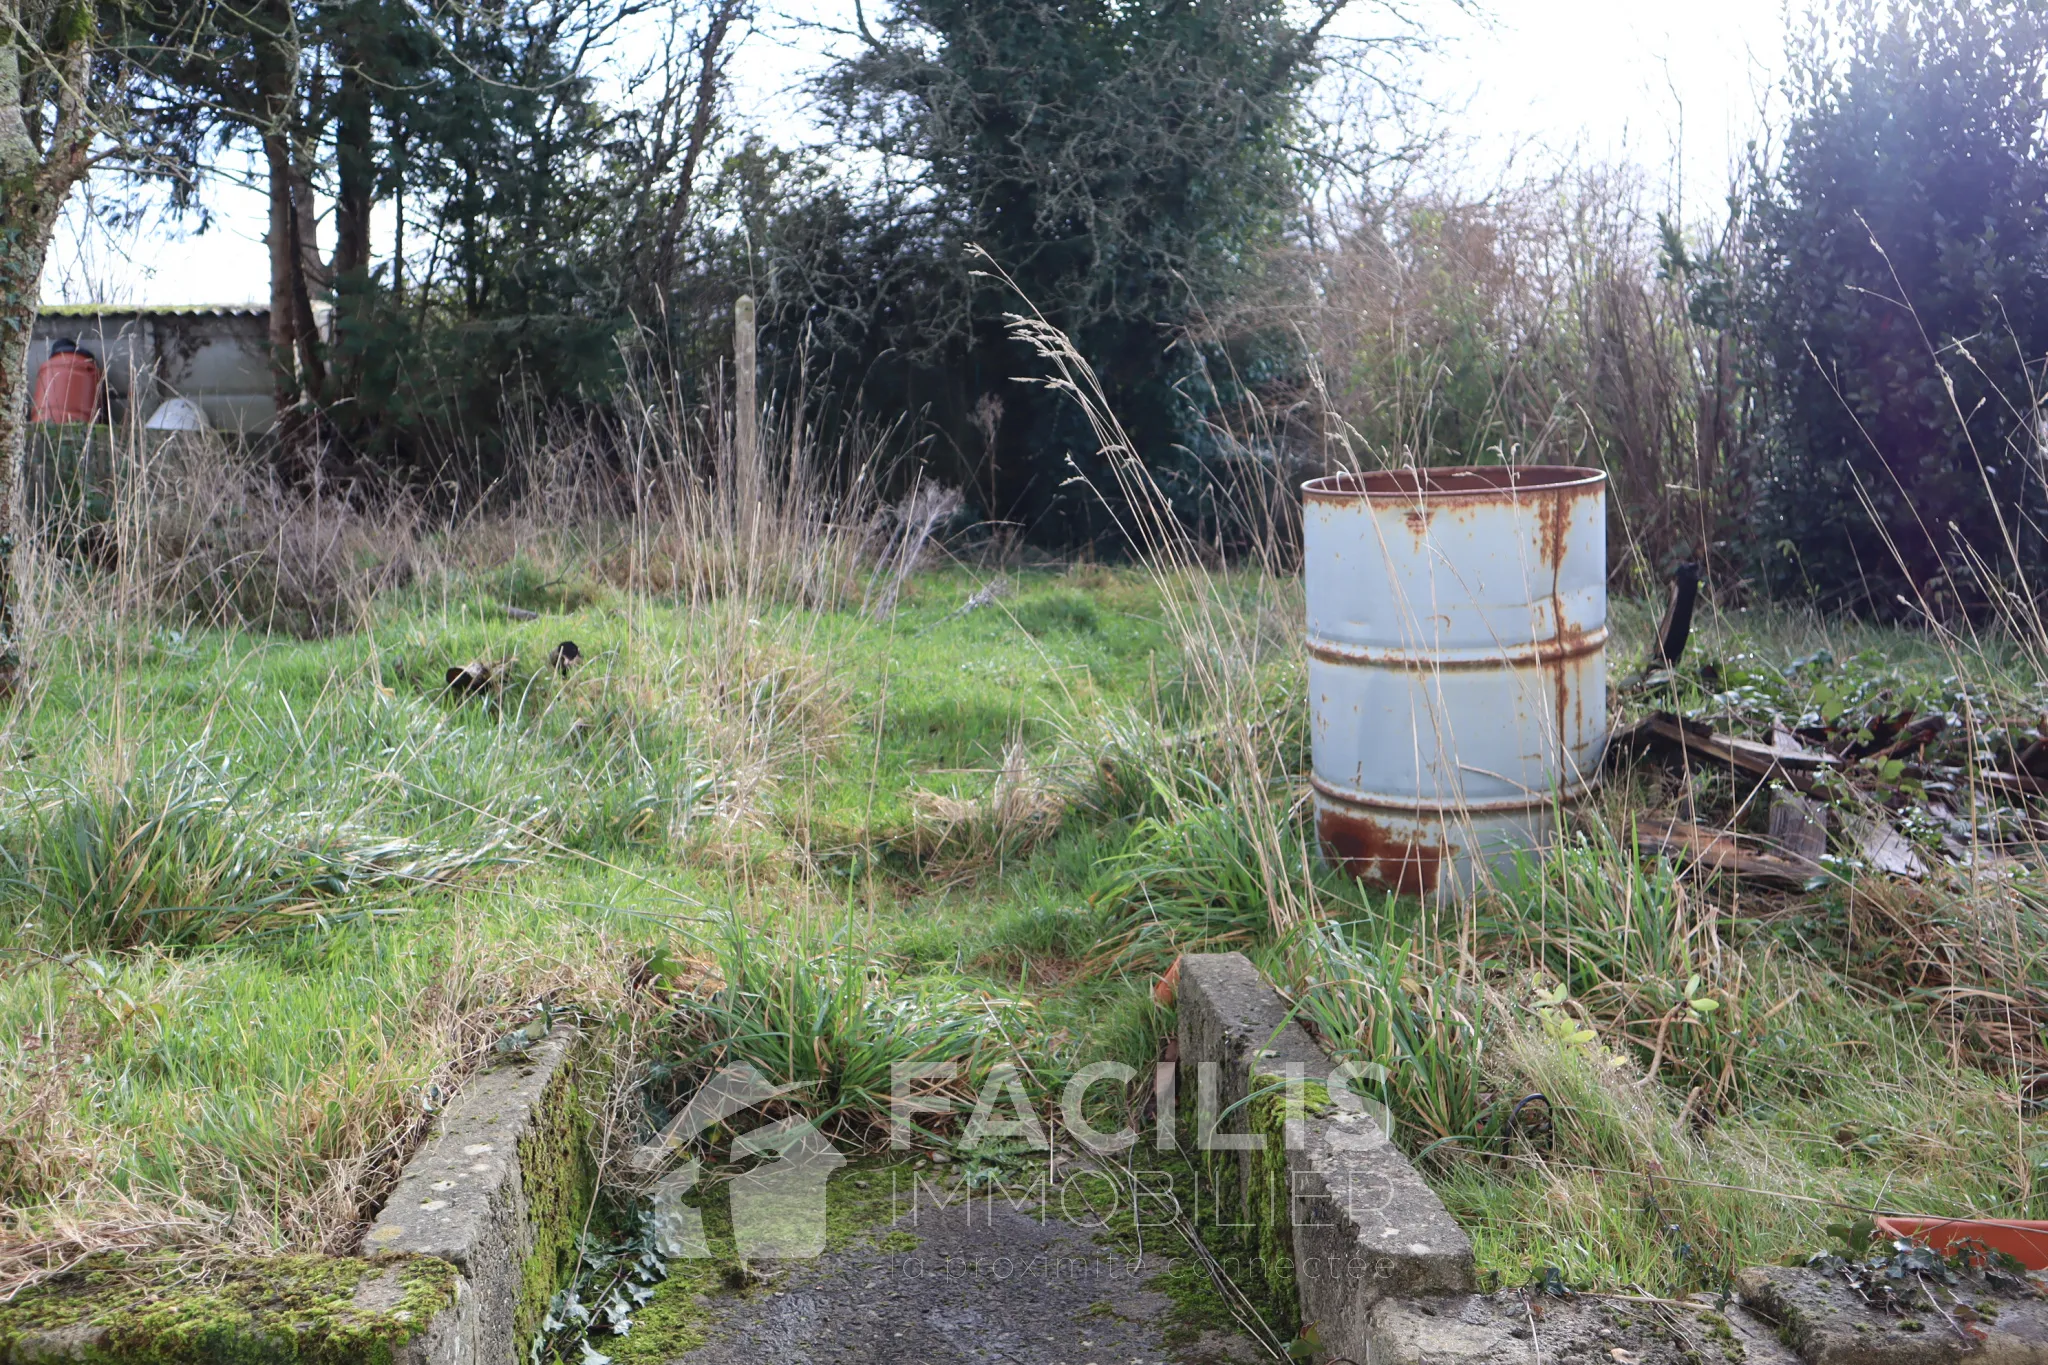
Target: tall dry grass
{"type": "Point", "coordinates": [1544, 323]}
{"type": "Point", "coordinates": [654, 494]}
{"type": "Point", "coordinates": [1229, 630]}
{"type": "Point", "coordinates": [194, 530]}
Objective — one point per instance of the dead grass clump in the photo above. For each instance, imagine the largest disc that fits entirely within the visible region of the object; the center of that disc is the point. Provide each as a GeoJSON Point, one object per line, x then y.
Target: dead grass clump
{"type": "Point", "coordinates": [1976, 959]}
{"type": "Point", "coordinates": [199, 530]}
{"type": "Point", "coordinates": [1022, 808]}
{"type": "Point", "coordinates": [708, 518]}
{"type": "Point", "coordinates": [283, 563]}
{"type": "Point", "coordinates": [767, 701]}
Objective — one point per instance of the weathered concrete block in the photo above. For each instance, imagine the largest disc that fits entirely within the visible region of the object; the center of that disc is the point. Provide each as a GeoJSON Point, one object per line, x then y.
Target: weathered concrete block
{"type": "Point", "coordinates": [1828, 1324]}
{"type": "Point", "coordinates": [1509, 1328]}
{"type": "Point", "coordinates": [1357, 1218]}
{"type": "Point", "coordinates": [476, 1238]}
{"type": "Point", "coordinates": [315, 1310]}
{"type": "Point", "coordinates": [500, 1191]}
{"type": "Point", "coordinates": [449, 1336]}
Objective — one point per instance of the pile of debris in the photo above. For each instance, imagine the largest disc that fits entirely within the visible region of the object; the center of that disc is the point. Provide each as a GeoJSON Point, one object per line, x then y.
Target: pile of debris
{"type": "Point", "coordinates": [1808, 771]}
{"type": "Point", "coordinates": [1803, 790]}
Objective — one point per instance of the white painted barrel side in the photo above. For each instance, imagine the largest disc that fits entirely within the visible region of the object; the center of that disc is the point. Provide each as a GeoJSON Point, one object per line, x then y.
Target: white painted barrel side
{"type": "Point", "coordinates": [1457, 664]}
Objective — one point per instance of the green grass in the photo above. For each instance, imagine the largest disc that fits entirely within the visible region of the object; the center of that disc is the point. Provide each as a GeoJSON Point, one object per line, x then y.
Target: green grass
{"type": "Point", "coordinates": [262, 902]}
{"type": "Point", "coordinates": [807, 1009]}
{"type": "Point", "coordinates": [259, 898]}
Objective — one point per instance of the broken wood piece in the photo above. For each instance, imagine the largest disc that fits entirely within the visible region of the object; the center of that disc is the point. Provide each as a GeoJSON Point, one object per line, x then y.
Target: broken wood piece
{"type": "Point", "coordinates": [1911, 738]}
{"type": "Point", "coordinates": [1788, 745]}
{"type": "Point", "coordinates": [1799, 827]}
{"type": "Point", "coordinates": [2012, 784]}
{"type": "Point", "coordinates": [1884, 848]}
{"type": "Point", "coordinates": [1677, 627]}
{"type": "Point", "coordinates": [1722, 852]}
{"type": "Point", "coordinates": [1702, 742]}
{"type": "Point", "coordinates": [519, 613]}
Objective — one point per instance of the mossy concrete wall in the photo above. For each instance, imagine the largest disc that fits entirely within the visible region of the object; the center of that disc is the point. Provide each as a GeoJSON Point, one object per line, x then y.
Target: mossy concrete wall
{"type": "Point", "coordinates": [1343, 1219]}
{"type": "Point", "coordinates": [169, 1309]}
{"type": "Point", "coordinates": [503, 1187]}
{"type": "Point", "coordinates": [1382, 1273]}
{"type": "Point", "coordinates": [457, 1270]}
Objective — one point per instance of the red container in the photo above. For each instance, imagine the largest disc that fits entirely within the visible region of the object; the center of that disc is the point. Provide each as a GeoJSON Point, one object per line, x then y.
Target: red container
{"type": "Point", "coordinates": [2026, 1241]}
{"type": "Point", "coordinates": [67, 389]}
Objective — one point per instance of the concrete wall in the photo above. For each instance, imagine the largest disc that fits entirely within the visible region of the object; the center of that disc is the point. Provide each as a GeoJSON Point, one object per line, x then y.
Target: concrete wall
{"type": "Point", "coordinates": [217, 357]}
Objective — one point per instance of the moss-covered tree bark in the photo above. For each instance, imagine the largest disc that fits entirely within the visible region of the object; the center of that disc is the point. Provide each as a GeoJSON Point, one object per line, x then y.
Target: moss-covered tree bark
{"type": "Point", "coordinates": [46, 136]}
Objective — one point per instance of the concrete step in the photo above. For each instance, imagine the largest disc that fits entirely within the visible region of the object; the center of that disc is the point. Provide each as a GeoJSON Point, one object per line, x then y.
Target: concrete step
{"type": "Point", "coordinates": [985, 1282]}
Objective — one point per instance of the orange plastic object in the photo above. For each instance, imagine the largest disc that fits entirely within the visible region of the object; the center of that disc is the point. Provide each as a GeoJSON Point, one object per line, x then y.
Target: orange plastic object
{"type": "Point", "coordinates": [67, 389]}
{"type": "Point", "coordinates": [2026, 1241]}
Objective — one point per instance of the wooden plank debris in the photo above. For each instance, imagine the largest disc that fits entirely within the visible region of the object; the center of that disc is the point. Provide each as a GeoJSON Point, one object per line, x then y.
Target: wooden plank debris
{"type": "Point", "coordinates": [1863, 772]}
{"type": "Point", "coordinates": [1704, 745]}
{"type": "Point", "coordinates": [1722, 852]}
{"type": "Point", "coordinates": [1883, 847]}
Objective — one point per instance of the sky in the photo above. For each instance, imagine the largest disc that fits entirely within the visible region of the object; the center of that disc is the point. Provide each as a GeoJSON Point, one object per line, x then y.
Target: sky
{"type": "Point", "coordinates": [1678, 90]}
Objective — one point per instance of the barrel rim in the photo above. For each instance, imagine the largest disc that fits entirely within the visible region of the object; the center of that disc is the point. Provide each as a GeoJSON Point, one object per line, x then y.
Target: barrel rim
{"type": "Point", "coordinates": [1407, 485]}
{"type": "Point", "coordinates": [1568, 793]}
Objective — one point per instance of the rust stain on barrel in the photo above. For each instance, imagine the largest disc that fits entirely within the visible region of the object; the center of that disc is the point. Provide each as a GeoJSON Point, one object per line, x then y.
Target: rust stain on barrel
{"type": "Point", "coordinates": [1553, 520]}
{"type": "Point", "coordinates": [1366, 849]}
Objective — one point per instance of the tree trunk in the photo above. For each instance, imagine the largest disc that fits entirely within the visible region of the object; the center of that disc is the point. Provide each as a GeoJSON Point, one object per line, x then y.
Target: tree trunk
{"type": "Point", "coordinates": [26, 222]}
{"type": "Point", "coordinates": [704, 109]}
{"type": "Point", "coordinates": [36, 177]}
{"type": "Point", "coordinates": [292, 427]}
{"type": "Point", "coordinates": [355, 157]}
{"type": "Point", "coordinates": [294, 341]}
{"type": "Point", "coordinates": [309, 276]}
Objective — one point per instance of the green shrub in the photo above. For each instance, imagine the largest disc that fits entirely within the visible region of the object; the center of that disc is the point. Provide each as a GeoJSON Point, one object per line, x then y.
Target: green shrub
{"type": "Point", "coordinates": [1062, 609]}
{"type": "Point", "coordinates": [1902, 311]}
{"type": "Point", "coordinates": [807, 1009]}
{"type": "Point", "coordinates": [1053, 930]}
{"type": "Point", "coordinates": [1188, 881]}
{"type": "Point", "coordinates": [1421, 1031]}
{"type": "Point", "coordinates": [1639, 953]}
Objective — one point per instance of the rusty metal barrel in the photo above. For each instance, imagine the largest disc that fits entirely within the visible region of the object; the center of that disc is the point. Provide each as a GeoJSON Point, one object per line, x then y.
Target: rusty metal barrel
{"type": "Point", "coordinates": [1457, 665]}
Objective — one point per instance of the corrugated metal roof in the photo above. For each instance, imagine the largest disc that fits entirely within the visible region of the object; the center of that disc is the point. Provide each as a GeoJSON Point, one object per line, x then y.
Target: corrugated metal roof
{"type": "Point", "coordinates": [181, 310]}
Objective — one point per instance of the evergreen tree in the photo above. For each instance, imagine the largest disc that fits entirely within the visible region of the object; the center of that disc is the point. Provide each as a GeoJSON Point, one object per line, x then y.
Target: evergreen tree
{"type": "Point", "coordinates": [1903, 305]}
{"type": "Point", "coordinates": [1125, 164]}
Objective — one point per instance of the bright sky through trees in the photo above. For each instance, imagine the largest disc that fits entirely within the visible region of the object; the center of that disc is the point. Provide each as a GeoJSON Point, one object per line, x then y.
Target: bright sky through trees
{"type": "Point", "coordinates": [1520, 86]}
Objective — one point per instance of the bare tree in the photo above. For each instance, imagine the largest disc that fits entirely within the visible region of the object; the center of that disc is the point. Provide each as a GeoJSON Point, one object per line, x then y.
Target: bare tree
{"type": "Point", "coordinates": [711, 53]}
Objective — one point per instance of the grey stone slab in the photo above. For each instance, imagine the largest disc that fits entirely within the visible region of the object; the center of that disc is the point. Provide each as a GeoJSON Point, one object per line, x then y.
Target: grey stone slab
{"type": "Point", "coordinates": [466, 1197]}
{"type": "Point", "coordinates": [1364, 1224]}
{"type": "Point", "coordinates": [450, 1337]}
{"type": "Point", "coordinates": [73, 1341]}
{"type": "Point", "coordinates": [987, 1282]}
{"type": "Point", "coordinates": [1827, 1323]}
{"type": "Point", "coordinates": [1515, 1328]}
